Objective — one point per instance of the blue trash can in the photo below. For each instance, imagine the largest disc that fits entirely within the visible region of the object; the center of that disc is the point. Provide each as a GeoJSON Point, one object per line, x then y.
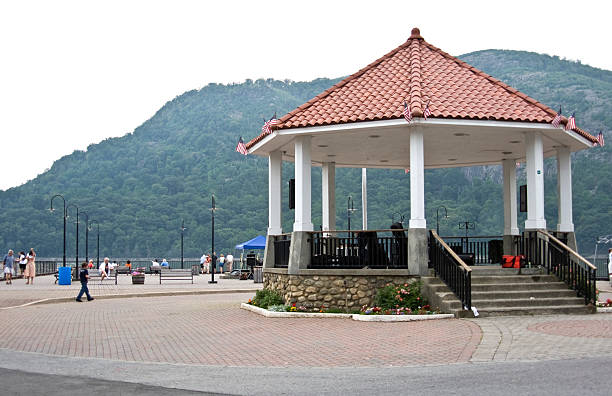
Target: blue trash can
{"type": "Point", "coordinates": [64, 275]}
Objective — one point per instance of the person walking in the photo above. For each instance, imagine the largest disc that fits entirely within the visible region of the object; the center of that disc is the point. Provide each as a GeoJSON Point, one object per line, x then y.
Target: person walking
{"type": "Point", "coordinates": [22, 262]}
{"type": "Point", "coordinates": [84, 278]}
{"type": "Point", "coordinates": [30, 271]}
{"type": "Point", "coordinates": [8, 262]}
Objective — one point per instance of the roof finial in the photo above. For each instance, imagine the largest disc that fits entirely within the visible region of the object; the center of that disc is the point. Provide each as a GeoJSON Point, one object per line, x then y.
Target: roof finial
{"type": "Point", "coordinates": [416, 33]}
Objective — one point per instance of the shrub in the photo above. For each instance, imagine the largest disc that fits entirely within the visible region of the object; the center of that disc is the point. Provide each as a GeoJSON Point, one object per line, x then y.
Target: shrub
{"type": "Point", "coordinates": [264, 298]}
{"type": "Point", "coordinates": [406, 296]}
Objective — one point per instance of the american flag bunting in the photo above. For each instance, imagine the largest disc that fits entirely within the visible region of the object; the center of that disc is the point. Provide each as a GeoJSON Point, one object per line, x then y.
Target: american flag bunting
{"type": "Point", "coordinates": [571, 123]}
{"type": "Point", "coordinates": [426, 112]}
{"type": "Point", "coordinates": [241, 147]}
{"type": "Point", "coordinates": [600, 140]}
{"type": "Point", "coordinates": [407, 113]}
{"type": "Point", "coordinates": [557, 120]}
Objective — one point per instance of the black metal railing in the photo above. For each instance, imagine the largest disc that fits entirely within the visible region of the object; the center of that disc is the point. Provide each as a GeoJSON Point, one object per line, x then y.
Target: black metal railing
{"type": "Point", "coordinates": [543, 249]}
{"type": "Point", "coordinates": [282, 243]}
{"type": "Point", "coordinates": [477, 249]}
{"type": "Point", "coordinates": [359, 249]}
{"type": "Point", "coordinates": [451, 269]}
{"type": "Point", "coordinates": [44, 267]}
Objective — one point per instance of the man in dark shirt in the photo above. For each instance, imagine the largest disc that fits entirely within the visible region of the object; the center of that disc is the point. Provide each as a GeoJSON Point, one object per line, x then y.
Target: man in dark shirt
{"type": "Point", "coordinates": [84, 276]}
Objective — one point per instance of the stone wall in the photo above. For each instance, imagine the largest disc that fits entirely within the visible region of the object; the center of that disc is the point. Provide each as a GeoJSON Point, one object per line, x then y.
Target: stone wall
{"type": "Point", "coordinates": [331, 291]}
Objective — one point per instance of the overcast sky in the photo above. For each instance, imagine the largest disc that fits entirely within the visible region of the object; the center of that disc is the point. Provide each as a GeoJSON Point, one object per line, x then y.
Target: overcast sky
{"type": "Point", "coordinates": [73, 73]}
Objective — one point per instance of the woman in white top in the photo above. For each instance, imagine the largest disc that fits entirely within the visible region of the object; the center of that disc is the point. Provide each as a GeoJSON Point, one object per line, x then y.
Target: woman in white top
{"type": "Point", "coordinates": [23, 261]}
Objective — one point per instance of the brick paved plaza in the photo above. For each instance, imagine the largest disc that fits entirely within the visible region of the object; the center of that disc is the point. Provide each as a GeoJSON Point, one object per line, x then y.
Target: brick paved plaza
{"type": "Point", "coordinates": [211, 329]}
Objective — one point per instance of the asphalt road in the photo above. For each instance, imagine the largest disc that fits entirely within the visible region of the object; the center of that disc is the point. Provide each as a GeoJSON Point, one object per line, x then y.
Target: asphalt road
{"type": "Point", "coordinates": [552, 377]}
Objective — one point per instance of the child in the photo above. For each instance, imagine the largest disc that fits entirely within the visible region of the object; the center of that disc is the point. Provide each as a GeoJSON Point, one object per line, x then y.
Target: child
{"type": "Point", "coordinates": [84, 276]}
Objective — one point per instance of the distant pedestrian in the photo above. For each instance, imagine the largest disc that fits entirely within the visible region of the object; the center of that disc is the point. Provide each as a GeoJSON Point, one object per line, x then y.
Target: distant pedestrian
{"type": "Point", "coordinates": [207, 263]}
{"type": "Point", "coordinates": [84, 278]}
{"type": "Point", "coordinates": [90, 264]}
{"type": "Point", "coordinates": [128, 264]}
{"type": "Point", "coordinates": [30, 271]}
{"type": "Point", "coordinates": [23, 261]}
{"type": "Point", "coordinates": [102, 269]}
{"type": "Point", "coordinates": [164, 263]}
{"type": "Point", "coordinates": [213, 263]}
{"type": "Point", "coordinates": [229, 262]}
{"type": "Point", "coordinates": [221, 262]}
{"type": "Point", "coordinates": [8, 262]}
{"type": "Point", "coordinates": [610, 264]}
{"type": "Point", "coordinates": [203, 262]}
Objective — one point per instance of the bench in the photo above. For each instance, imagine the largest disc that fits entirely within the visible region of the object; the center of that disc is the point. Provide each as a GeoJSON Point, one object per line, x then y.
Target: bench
{"type": "Point", "coordinates": [176, 274]}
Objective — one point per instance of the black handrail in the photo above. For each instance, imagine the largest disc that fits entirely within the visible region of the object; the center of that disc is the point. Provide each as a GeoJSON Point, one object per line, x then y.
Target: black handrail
{"type": "Point", "coordinates": [543, 249]}
{"type": "Point", "coordinates": [451, 269]}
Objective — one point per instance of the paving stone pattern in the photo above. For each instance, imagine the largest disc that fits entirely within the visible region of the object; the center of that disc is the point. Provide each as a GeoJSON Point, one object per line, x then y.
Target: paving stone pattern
{"type": "Point", "coordinates": [544, 337]}
{"type": "Point", "coordinates": [212, 330]}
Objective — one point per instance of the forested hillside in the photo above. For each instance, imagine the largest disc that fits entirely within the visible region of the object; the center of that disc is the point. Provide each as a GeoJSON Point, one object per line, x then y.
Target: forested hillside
{"type": "Point", "coordinates": [141, 185]}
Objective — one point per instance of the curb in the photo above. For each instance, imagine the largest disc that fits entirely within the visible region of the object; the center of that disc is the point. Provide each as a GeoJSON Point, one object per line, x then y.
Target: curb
{"type": "Point", "coordinates": [362, 318]}
{"type": "Point", "coordinates": [133, 295]}
{"type": "Point", "coordinates": [604, 309]}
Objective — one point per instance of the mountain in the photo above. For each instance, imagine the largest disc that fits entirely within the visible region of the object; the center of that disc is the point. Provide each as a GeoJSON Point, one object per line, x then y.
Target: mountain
{"type": "Point", "coordinates": [140, 186]}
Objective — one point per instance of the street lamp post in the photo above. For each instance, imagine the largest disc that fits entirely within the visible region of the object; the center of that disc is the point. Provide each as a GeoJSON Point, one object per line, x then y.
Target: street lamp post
{"type": "Point", "coordinates": [51, 209]}
{"type": "Point", "coordinates": [602, 239]}
{"type": "Point", "coordinates": [467, 225]}
{"type": "Point", "coordinates": [214, 256]}
{"type": "Point", "coordinates": [438, 218]}
{"type": "Point", "coordinates": [182, 231]}
{"type": "Point", "coordinates": [76, 262]}
{"type": "Point", "coordinates": [350, 208]}
{"type": "Point", "coordinates": [97, 243]}
{"type": "Point", "coordinates": [86, 236]}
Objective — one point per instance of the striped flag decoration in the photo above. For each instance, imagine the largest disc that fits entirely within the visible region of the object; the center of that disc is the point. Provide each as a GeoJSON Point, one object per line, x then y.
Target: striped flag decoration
{"type": "Point", "coordinates": [241, 147]}
{"type": "Point", "coordinates": [406, 113]}
{"type": "Point", "coordinates": [426, 112]}
{"type": "Point", "coordinates": [267, 126]}
{"type": "Point", "coordinates": [571, 122]}
{"type": "Point", "coordinates": [557, 120]}
{"type": "Point", "coordinates": [600, 139]}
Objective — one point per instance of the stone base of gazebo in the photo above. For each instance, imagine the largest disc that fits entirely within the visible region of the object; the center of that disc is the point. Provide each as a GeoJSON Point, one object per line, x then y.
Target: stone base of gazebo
{"type": "Point", "coordinates": [337, 289]}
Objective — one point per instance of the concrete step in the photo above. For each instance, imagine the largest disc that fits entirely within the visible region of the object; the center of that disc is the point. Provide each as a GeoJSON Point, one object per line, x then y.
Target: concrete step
{"type": "Point", "coordinates": [519, 294]}
{"type": "Point", "coordinates": [478, 287]}
{"type": "Point", "coordinates": [512, 279]}
{"type": "Point", "coordinates": [548, 310]}
{"type": "Point", "coordinates": [498, 270]}
{"type": "Point", "coordinates": [526, 302]}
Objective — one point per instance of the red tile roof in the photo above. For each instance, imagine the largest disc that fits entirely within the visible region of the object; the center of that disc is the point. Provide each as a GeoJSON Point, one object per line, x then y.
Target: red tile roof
{"type": "Point", "coordinates": [418, 73]}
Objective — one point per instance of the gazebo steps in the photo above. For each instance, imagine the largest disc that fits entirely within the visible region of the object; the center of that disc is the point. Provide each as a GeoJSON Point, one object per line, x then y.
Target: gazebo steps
{"type": "Point", "coordinates": [499, 291]}
{"type": "Point", "coordinates": [547, 310]}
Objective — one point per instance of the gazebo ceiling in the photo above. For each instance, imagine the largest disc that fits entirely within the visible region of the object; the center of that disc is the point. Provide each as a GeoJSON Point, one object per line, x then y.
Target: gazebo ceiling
{"type": "Point", "coordinates": [475, 118]}
{"type": "Point", "coordinates": [448, 143]}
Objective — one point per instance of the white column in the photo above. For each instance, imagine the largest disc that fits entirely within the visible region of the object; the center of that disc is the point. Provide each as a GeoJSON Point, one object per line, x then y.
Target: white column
{"type": "Point", "coordinates": [303, 221]}
{"type": "Point", "coordinates": [564, 189]}
{"type": "Point", "coordinates": [535, 182]}
{"type": "Point", "coordinates": [328, 189]}
{"type": "Point", "coordinates": [364, 198]}
{"type": "Point", "coordinates": [275, 167]}
{"type": "Point", "coordinates": [510, 220]}
{"type": "Point", "coordinates": [417, 179]}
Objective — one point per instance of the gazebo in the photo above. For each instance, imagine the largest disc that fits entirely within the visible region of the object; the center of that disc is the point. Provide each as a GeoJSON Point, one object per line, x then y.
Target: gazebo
{"type": "Point", "coordinates": [417, 107]}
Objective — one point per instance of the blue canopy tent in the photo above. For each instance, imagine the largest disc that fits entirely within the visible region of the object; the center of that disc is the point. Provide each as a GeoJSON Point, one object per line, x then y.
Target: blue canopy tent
{"type": "Point", "coordinates": [259, 242]}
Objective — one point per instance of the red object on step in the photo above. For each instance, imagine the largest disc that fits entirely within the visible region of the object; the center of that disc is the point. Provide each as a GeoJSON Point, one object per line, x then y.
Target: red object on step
{"type": "Point", "coordinates": [513, 261]}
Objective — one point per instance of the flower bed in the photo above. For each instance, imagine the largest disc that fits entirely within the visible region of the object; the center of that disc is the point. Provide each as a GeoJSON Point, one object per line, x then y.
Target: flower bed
{"type": "Point", "coordinates": [393, 303]}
